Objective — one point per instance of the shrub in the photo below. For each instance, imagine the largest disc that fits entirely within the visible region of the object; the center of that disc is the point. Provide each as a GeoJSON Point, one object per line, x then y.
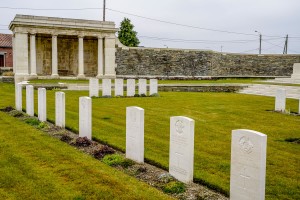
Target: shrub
{"type": "Point", "coordinates": [117, 160]}
{"type": "Point", "coordinates": [174, 187]}
{"type": "Point", "coordinates": [8, 74]}
{"type": "Point", "coordinates": [103, 151]}
{"type": "Point", "coordinates": [32, 121]}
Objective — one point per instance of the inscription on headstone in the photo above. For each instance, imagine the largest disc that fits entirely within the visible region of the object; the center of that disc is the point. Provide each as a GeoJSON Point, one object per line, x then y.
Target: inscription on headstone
{"type": "Point", "coordinates": [29, 100]}
{"type": "Point", "coordinates": [42, 105]}
{"type": "Point", "coordinates": [94, 87]}
{"type": "Point", "coordinates": [280, 100]}
{"type": "Point", "coordinates": [85, 117]}
{"type": "Point", "coordinates": [142, 86]}
{"type": "Point", "coordinates": [181, 163]}
{"type": "Point", "coordinates": [153, 86]}
{"type": "Point", "coordinates": [248, 165]}
{"type": "Point", "coordinates": [119, 86]}
{"type": "Point", "coordinates": [135, 134]}
{"type": "Point", "coordinates": [106, 87]}
{"type": "Point", "coordinates": [60, 109]}
{"type": "Point", "coordinates": [130, 87]}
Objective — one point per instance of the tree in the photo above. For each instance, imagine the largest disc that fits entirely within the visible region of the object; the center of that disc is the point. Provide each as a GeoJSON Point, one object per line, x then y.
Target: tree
{"type": "Point", "coordinates": [127, 35]}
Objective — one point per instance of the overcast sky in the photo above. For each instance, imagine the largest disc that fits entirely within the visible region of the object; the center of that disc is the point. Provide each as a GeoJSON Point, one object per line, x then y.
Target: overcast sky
{"type": "Point", "coordinates": [274, 19]}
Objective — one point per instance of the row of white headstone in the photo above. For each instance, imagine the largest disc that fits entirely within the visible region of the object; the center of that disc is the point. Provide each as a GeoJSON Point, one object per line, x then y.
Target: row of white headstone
{"type": "Point", "coordinates": [248, 153]}
{"type": "Point", "coordinates": [248, 148]}
{"type": "Point", "coordinates": [119, 87]}
{"type": "Point", "coordinates": [42, 103]}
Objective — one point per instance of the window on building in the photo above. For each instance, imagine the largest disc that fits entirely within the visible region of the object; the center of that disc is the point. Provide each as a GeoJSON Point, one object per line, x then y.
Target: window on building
{"type": "Point", "coordinates": [1, 60]}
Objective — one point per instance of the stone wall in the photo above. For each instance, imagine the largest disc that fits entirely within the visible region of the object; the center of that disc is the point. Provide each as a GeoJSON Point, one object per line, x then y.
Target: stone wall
{"type": "Point", "coordinates": [177, 62]}
{"type": "Point", "coordinates": [67, 56]}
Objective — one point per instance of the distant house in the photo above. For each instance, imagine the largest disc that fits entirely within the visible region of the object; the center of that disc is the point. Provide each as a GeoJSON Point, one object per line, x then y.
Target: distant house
{"type": "Point", "coordinates": [6, 52]}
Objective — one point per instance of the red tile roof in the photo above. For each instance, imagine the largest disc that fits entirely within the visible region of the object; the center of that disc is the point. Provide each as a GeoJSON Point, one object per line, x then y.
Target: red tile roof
{"type": "Point", "coordinates": [5, 40]}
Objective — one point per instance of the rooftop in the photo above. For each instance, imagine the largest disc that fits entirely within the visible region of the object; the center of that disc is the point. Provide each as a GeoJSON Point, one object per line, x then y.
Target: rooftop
{"type": "Point", "coordinates": [5, 40]}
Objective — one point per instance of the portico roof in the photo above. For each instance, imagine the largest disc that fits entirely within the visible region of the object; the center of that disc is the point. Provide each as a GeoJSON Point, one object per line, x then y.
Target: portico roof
{"type": "Point", "coordinates": [31, 22]}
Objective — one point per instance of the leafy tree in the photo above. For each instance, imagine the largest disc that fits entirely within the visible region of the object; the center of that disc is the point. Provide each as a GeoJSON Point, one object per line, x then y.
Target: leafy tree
{"type": "Point", "coordinates": [127, 35]}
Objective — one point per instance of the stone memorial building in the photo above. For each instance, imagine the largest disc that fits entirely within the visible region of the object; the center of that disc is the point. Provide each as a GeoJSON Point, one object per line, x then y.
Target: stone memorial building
{"type": "Point", "coordinates": [50, 46]}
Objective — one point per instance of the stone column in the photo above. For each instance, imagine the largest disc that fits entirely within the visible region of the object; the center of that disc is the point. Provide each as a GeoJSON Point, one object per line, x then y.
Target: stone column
{"type": "Point", "coordinates": [80, 57]}
{"type": "Point", "coordinates": [32, 56]}
{"type": "Point", "coordinates": [13, 46]}
{"type": "Point", "coordinates": [20, 53]}
{"type": "Point", "coordinates": [100, 57]}
{"type": "Point", "coordinates": [110, 57]}
{"type": "Point", "coordinates": [54, 57]}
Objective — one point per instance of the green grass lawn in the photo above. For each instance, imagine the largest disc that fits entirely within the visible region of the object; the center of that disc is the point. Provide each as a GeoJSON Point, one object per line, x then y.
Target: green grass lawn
{"type": "Point", "coordinates": [35, 166]}
{"type": "Point", "coordinates": [215, 115]}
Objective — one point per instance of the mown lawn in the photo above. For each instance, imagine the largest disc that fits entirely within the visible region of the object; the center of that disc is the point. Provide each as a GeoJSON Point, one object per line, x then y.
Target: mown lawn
{"type": "Point", "coordinates": [35, 166]}
{"type": "Point", "coordinates": [215, 115]}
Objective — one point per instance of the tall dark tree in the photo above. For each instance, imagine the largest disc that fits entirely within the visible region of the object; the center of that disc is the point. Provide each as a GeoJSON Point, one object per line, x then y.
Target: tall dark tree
{"type": "Point", "coordinates": [127, 35]}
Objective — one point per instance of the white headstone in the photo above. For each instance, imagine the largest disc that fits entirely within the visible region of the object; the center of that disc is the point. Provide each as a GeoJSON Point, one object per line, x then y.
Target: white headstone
{"type": "Point", "coordinates": [248, 165]}
{"type": "Point", "coordinates": [119, 87]}
{"type": "Point", "coordinates": [42, 102]}
{"type": "Point", "coordinates": [29, 100]}
{"type": "Point", "coordinates": [135, 134]}
{"type": "Point", "coordinates": [296, 71]}
{"type": "Point", "coordinates": [106, 87]}
{"type": "Point", "coordinates": [60, 109]}
{"type": "Point", "coordinates": [85, 117]}
{"type": "Point", "coordinates": [299, 107]}
{"type": "Point", "coordinates": [94, 87]}
{"type": "Point", "coordinates": [153, 86]}
{"type": "Point", "coordinates": [280, 100]}
{"type": "Point", "coordinates": [181, 163]}
{"type": "Point", "coordinates": [130, 87]}
{"type": "Point", "coordinates": [142, 86]}
{"type": "Point", "coordinates": [18, 96]}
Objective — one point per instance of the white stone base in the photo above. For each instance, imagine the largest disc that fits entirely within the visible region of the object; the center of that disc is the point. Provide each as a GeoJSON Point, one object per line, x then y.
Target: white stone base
{"type": "Point", "coordinates": [81, 76]}
{"type": "Point", "coordinates": [55, 76]}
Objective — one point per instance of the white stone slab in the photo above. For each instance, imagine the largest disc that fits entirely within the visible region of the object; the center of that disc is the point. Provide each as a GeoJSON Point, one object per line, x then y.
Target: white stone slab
{"type": "Point", "coordinates": [18, 96]}
{"type": "Point", "coordinates": [29, 100]}
{"type": "Point", "coordinates": [135, 134]}
{"type": "Point", "coordinates": [85, 117]}
{"type": "Point", "coordinates": [94, 87]}
{"type": "Point", "coordinates": [299, 107]}
{"type": "Point", "coordinates": [280, 99]}
{"type": "Point", "coordinates": [142, 86]}
{"type": "Point", "coordinates": [130, 87]}
{"type": "Point", "coordinates": [119, 87]}
{"type": "Point", "coordinates": [248, 165]}
{"type": "Point", "coordinates": [42, 104]}
{"type": "Point", "coordinates": [106, 87]}
{"type": "Point", "coordinates": [181, 161]}
{"type": "Point", "coordinates": [60, 109]}
{"type": "Point", "coordinates": [296, 71]}
{"type": "Point", "coordinates": [153, 86]}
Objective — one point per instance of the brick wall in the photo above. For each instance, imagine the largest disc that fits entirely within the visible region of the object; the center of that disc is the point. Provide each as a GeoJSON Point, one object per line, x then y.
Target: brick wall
{"type": "Point", "coordinates": [8, 56]}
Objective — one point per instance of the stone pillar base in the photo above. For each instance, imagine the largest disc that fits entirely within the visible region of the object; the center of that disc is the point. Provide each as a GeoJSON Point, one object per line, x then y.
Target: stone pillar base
{"type": "Point", "coordinates": [81, 76]}
{"type": "Point", "coordinates": [21, 77]}
{"type": "Point", "coordinates": [109, 76]}
{"type": "Point", "coordinates": [99, 76]}
{"type": "Point", "coordinates": [54, 76]}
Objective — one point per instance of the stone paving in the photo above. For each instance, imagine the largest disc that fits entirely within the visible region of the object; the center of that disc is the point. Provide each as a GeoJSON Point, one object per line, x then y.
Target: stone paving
{"type": "Point", "coordinates": [292, 92]}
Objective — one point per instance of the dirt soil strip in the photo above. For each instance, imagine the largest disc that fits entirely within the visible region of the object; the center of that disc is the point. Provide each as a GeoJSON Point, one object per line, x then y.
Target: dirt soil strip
{"type": "Point", "coordinates": [150, 174]}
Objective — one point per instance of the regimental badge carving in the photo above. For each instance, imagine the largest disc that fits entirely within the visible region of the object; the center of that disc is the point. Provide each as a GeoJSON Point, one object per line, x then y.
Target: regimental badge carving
{"type": "Point", "coordinates": [179, 127]}
{"type": "Point", "coordinates": [245, 144]}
